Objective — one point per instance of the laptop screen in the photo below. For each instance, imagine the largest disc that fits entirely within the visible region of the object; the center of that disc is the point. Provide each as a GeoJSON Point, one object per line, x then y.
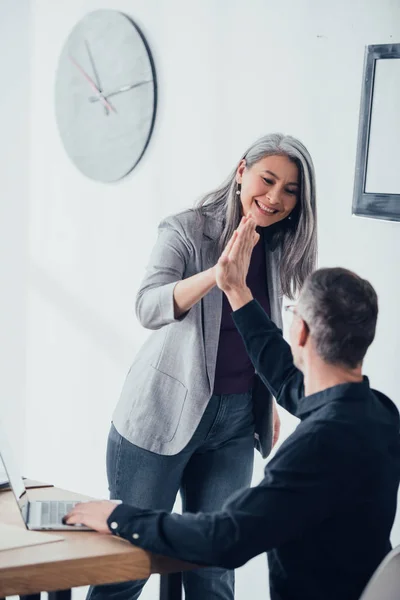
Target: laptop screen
{"type": "Point", "coordinates": [14, 476]}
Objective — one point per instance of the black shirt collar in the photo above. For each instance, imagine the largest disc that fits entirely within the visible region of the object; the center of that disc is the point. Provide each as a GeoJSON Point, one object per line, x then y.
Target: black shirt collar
{"type": "Point", "coordinates": [338, 392]}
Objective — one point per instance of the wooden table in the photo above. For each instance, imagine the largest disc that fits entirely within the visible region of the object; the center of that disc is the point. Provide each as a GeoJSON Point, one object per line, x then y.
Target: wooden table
{"type": "Point", "coordinates": [83, 558]}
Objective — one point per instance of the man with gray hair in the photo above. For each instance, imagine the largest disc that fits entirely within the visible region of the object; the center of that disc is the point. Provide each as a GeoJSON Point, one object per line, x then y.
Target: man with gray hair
{"type": "Point", "coordinates": [326, 505]}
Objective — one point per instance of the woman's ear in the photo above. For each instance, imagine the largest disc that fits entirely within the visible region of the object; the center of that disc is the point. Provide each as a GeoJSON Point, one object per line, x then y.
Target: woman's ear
{"type": "Point", "coordinates": [240, 170]}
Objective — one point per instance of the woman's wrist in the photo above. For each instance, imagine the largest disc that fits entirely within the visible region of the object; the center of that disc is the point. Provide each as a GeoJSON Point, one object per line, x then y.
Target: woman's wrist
{"type": "Point", "coordinates": [212, 272]}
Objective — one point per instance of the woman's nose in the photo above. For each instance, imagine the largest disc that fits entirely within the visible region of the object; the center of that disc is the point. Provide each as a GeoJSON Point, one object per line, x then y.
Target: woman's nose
{"type": "Point", "coordinates": [273, 197]}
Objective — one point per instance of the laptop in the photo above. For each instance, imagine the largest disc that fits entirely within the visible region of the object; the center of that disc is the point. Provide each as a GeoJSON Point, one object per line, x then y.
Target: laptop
{"type": "Point", "coordinates": [38, 515]}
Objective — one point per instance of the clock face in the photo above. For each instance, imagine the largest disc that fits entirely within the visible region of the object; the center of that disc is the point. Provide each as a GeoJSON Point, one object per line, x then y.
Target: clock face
{"type": "Point", "coordinates": [105, 95]}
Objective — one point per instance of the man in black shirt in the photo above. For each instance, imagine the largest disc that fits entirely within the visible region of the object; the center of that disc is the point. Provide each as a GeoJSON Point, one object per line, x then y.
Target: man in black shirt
{"type": "Point", "coordinates": [325, 508]}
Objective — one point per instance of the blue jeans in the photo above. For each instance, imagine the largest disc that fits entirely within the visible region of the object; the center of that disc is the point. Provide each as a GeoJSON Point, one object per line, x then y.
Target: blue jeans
{"type": "Point", "coordinates": [217, 461]}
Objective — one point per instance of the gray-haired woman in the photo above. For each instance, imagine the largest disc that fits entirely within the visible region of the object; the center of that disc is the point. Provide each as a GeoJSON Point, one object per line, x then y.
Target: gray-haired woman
{"type": "Point", "coordinates": [192, 407]}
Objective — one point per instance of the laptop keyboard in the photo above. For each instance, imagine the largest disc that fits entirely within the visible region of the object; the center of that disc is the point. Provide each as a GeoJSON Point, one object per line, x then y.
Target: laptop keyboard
{"type": "Point", "coordinates": [53, 512]}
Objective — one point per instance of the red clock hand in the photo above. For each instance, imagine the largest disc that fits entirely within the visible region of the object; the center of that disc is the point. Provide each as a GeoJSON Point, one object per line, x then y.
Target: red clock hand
{"type": "Point", "coordinates": [92, 84]}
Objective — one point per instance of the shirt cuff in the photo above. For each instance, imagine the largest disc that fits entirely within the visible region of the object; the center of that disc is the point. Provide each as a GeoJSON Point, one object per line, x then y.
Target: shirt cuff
{"type": "Point", "coordinates": [121, 516]}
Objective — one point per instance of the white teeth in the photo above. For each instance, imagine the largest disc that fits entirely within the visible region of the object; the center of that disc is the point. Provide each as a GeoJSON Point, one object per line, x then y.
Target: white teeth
{"type": "Point", "coordinates": [265, 208]}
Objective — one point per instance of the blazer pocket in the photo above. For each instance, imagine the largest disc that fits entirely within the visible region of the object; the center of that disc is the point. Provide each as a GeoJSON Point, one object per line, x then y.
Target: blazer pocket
{"type": "Point", "coordinates": [158, 404]}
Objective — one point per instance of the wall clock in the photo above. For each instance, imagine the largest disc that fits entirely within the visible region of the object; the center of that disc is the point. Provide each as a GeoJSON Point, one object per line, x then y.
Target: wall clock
{"type": "Point", "coordinates": [105, 95]}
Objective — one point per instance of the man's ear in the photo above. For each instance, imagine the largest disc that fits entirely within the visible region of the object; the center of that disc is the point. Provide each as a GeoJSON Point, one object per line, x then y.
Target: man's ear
{"type": "Point", "coordinates": [303, 334]}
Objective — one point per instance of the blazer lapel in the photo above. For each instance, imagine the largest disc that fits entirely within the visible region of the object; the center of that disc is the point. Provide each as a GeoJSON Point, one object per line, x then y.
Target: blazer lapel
{"type": "Point", "coordinates": [212, 302]}
{"type": "Point", "coordinates": [272, 260]}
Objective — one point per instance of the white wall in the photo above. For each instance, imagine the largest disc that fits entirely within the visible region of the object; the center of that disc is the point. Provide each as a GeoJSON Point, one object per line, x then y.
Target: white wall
{"type": "Point", "coordinates": [228, 72]}
{"type": "Point", "coordinates": [15, 46]}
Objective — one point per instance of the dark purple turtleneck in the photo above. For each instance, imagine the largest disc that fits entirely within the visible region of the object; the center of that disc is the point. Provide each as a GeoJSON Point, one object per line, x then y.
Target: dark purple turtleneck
{"type": "Point", "coordinates": [234, 372]}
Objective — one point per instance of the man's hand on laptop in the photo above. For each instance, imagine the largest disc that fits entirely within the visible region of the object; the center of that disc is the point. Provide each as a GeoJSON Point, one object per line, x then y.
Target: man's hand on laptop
{"type": "Point", "coordinates": [91, 514]}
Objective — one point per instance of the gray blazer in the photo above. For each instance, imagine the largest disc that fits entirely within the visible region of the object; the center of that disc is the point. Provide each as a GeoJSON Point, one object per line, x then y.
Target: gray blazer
{"type": "Point", "coordinates": [171, 380]}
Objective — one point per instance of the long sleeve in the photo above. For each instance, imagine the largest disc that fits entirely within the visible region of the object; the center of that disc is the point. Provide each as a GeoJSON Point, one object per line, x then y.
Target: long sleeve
{"type": "Point", "coordinates": [155, 298]}
{"type": "Point", "coordinates": [270, 355]}
{"type": "Point", "coordinates": [296, 494]}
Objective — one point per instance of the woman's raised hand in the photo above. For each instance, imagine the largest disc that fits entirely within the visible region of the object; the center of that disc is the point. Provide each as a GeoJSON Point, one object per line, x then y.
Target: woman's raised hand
{"type": "Point", "coordinates": [233, 264]}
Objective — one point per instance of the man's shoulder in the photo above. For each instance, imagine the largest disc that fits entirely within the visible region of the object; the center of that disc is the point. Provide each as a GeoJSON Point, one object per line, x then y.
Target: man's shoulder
{"type": "Point", "coordinates": [388, 406]}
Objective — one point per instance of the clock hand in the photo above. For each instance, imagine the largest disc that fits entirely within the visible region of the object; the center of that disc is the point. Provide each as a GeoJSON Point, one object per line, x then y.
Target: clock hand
{"type": "Point", "coordinates": [96, 75]}
{"type": "Point", "coordinates": [92, 84]}
{"type": "Point", "coordinates": [124, 88]}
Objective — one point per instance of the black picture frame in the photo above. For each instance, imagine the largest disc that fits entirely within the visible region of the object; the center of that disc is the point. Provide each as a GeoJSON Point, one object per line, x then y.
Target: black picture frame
{"type": "Point", "coordinates": [374, 205]}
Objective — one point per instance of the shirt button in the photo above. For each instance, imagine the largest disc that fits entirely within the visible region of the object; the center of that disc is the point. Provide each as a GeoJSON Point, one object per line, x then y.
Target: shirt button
{"type": "Point", "coordinates": [135, 536]}
{"type": "Point", "coordinates": [114, 525]}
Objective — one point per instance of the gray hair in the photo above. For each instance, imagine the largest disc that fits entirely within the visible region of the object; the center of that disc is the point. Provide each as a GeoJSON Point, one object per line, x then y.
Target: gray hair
{"type": "Point", "coordinates": [340, 309]}
{"type": "Point", "coordinates": [296, 236]}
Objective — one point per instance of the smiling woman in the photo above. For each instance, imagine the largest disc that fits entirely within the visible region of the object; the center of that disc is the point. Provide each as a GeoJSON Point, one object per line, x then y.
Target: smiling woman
{"type": "Point", "coordinates": [269, 189]}
{"type": "Point", "coordinates": [192, 407]}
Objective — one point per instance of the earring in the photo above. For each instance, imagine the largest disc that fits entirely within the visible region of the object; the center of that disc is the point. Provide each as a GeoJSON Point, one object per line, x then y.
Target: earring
{"type": "Point", "coordinates": [239, 189]}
